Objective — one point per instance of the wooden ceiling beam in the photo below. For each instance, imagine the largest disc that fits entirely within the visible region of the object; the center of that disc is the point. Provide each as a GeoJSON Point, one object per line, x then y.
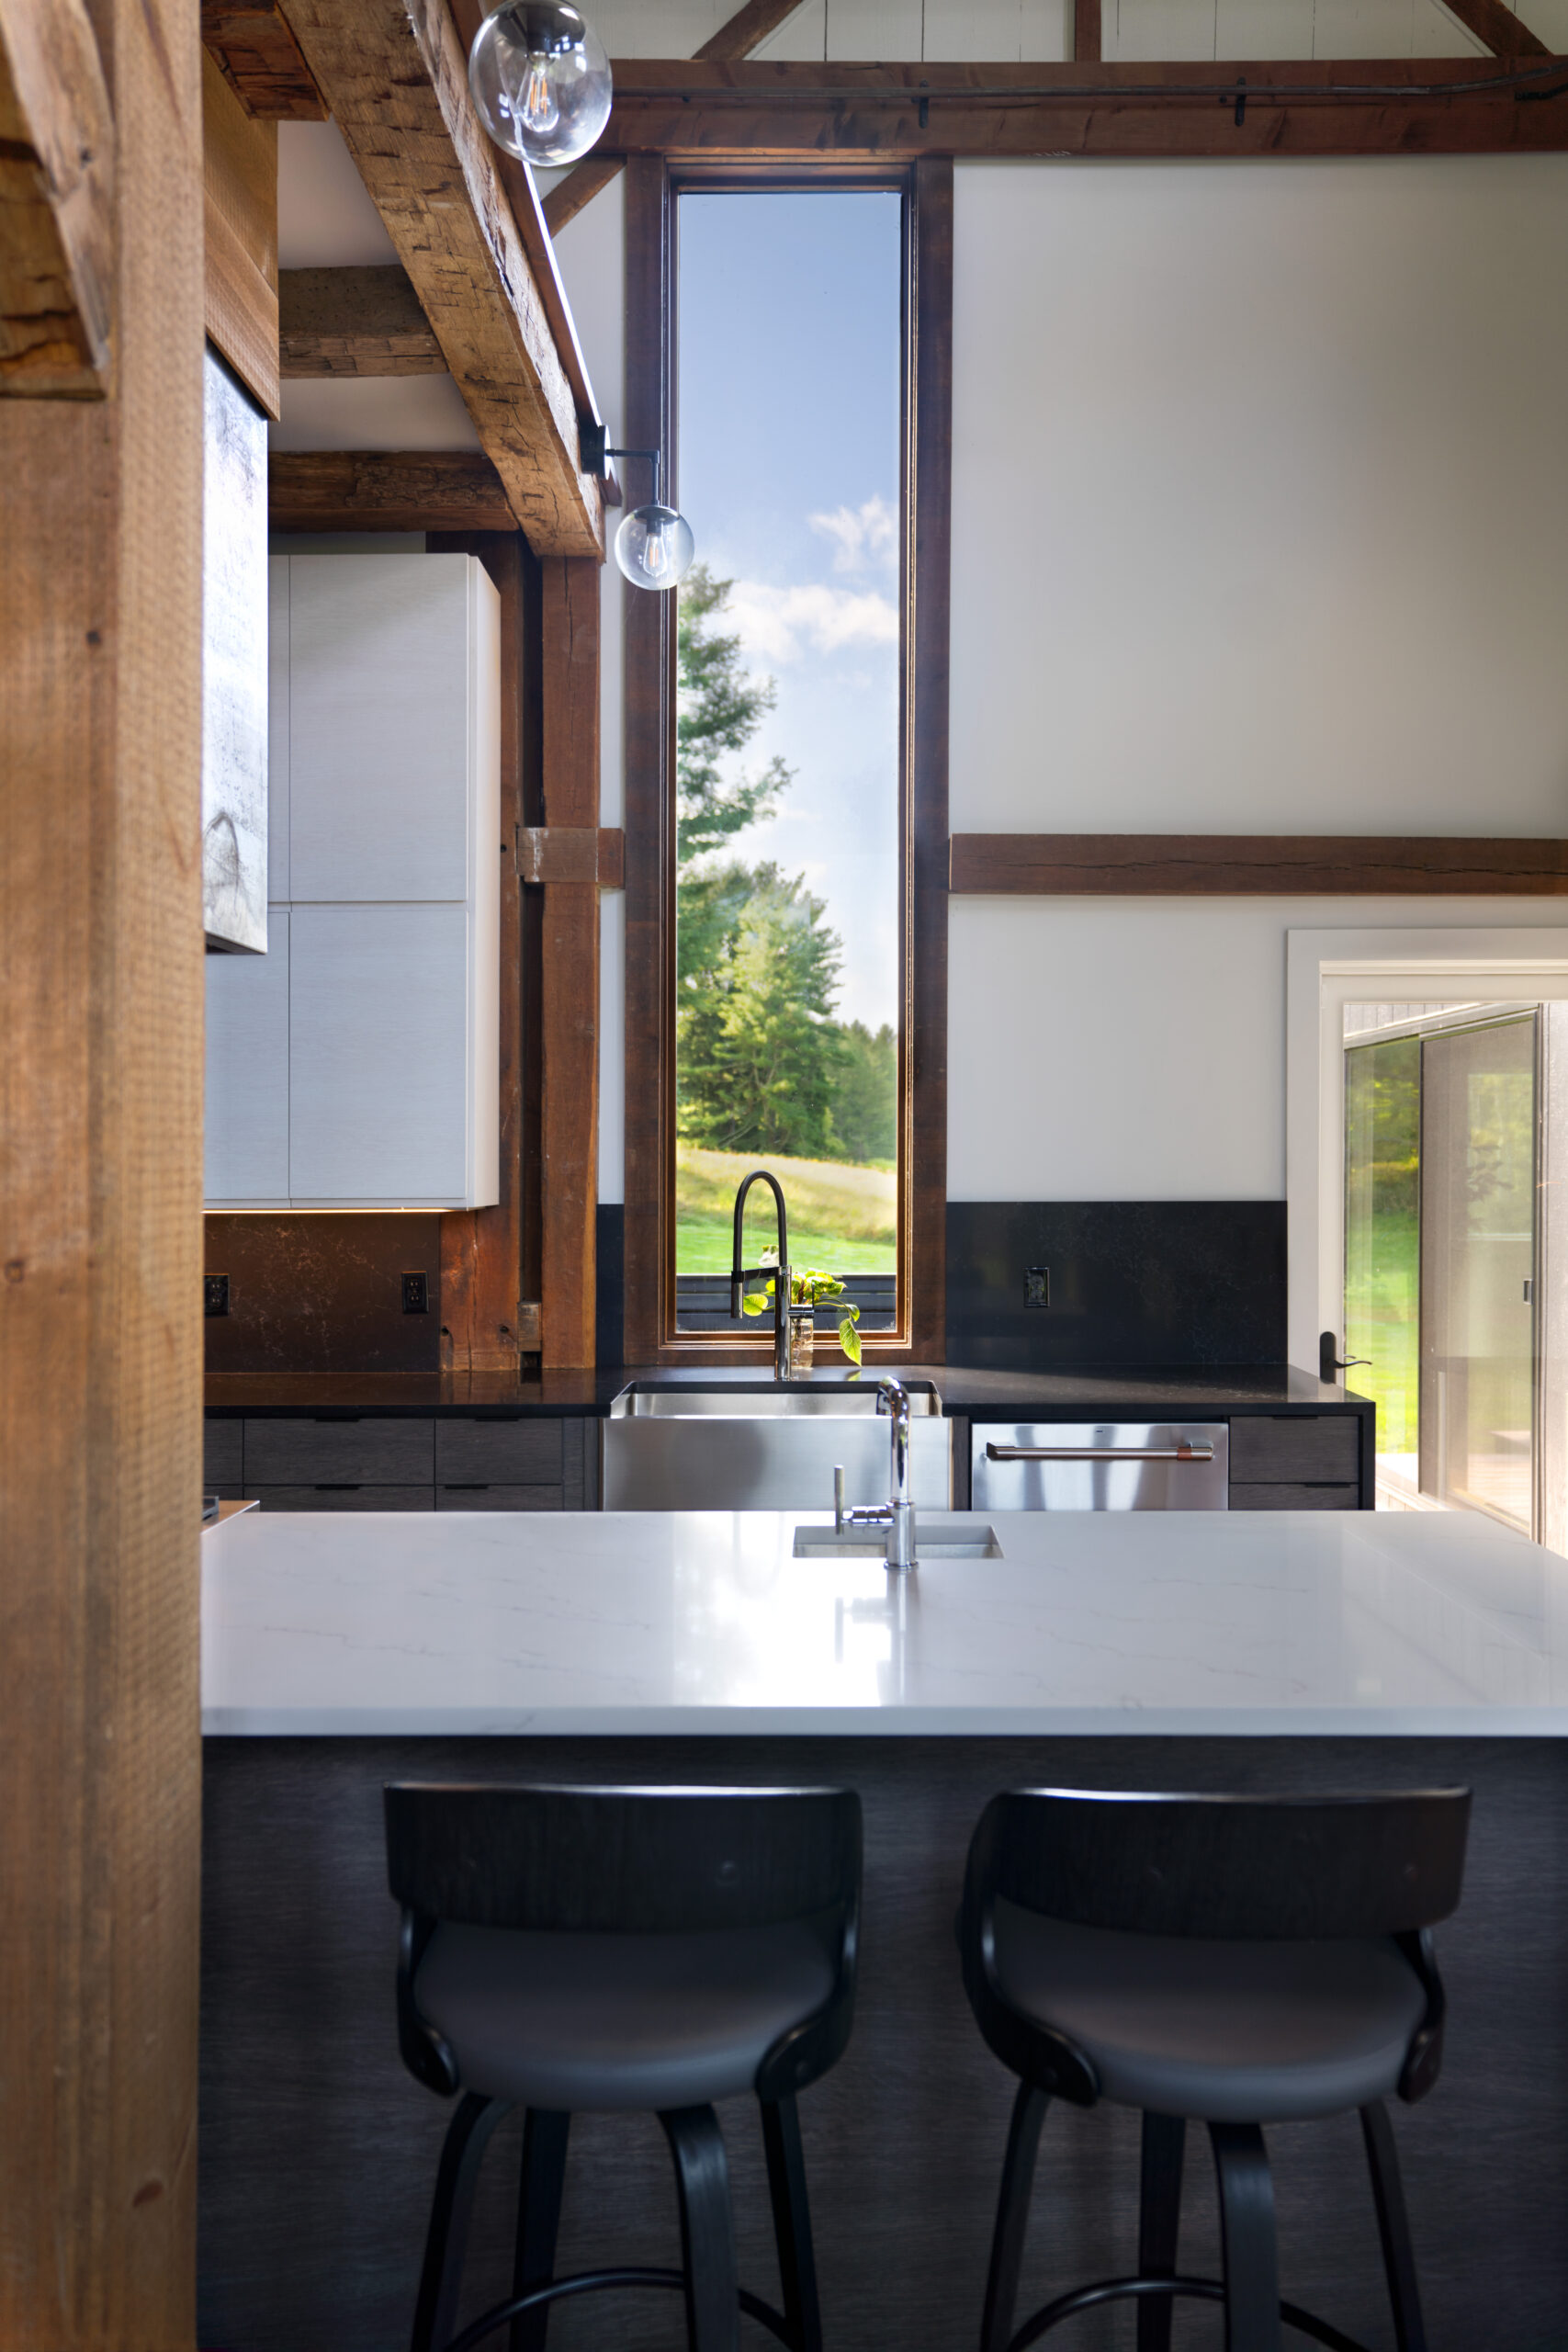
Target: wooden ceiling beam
{"type": "Point", "coordinates": [1498, 27]}
{"type": "Point", "coordinates": [736, 36]}
{"type": "Point", "coordinates": [395, 77]}
{"type": "Point", "coordinates": [787, 114]}
{"type": "Point", "coordinates": [382, 489]}
{"type": "Point", "coordinates": [354, 322]}
{"type": "Point", "coordinates": [1087, 36]}
{"type": "Point", "coordinates": [57, 150]}
{"type": "Point", "coordinates": [250, 42]}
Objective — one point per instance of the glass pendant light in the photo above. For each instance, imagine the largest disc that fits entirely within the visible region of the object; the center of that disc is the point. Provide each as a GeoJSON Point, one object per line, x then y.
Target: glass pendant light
{"type": "Point", "coordinates": [540, 80]}
{"type": "Point", "coordinates": [654, 545]}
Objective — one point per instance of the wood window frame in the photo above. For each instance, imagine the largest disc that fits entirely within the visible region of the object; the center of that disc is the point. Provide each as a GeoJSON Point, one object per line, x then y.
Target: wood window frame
{"type": "Point", "coordinates": [651, 1336]}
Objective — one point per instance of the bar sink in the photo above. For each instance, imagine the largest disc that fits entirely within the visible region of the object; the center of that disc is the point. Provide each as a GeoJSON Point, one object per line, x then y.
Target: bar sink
{"type": "Point", "coordinates": [938, 1535]}
{"type": "Point", "coordinates": [764, 1445]}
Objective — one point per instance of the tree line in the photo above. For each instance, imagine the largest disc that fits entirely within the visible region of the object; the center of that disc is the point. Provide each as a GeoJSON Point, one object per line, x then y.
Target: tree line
{"type": "Point", "coordinates": [763, 1063]}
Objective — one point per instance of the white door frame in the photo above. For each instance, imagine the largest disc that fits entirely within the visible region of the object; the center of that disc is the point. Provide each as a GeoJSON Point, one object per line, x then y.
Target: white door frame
{"type": "Point", "coordinates": [1324, 971]}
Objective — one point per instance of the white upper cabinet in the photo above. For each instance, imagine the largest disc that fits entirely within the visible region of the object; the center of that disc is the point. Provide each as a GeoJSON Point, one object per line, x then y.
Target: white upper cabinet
{"type": "Point", "coordinates": [358, 1065]}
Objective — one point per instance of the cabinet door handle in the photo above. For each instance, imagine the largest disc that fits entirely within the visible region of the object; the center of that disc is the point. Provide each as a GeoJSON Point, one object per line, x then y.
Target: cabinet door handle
{"type": "Point", "coordinates": [1099, 1452]}
{"type": "Point", "coordinates": [336, 1486]}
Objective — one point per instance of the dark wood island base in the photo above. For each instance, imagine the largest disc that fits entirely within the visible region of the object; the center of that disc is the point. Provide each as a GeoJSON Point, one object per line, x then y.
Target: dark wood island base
{"type": "Point", "coordinates": [318, 2153]}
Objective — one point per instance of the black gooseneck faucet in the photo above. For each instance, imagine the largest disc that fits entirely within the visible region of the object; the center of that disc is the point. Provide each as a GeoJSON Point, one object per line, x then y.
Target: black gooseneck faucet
{"type": "Point", "coordinates": [785, 1314]}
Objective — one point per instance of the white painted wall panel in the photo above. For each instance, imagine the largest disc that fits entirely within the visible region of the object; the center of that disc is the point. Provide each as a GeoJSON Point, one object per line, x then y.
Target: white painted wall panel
{"type": "Point", "coordinates": [246, 1118]}
{"type": "Point", "coordinates": [277, 727]}
{"type": "Point", "coordinates": [380, 727]}
{"type": "Point", "coordinates": [379, 1053]}
{"type": "Point", "coordinates": [1285, 542]}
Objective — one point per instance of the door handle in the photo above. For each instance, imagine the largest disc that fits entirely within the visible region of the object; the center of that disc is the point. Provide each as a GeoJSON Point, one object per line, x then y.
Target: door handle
{"type": "Point", "coordinates": [1099, 1452]}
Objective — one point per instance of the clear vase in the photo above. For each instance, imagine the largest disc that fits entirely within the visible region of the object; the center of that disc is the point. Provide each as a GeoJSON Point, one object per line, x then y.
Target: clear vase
{"type": "Point", "coordinates": [805, 1342]}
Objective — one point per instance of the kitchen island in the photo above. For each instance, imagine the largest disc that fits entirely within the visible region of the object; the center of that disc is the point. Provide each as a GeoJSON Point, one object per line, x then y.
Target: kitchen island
{"type": "Point", "coordinates": [1202, 1650]}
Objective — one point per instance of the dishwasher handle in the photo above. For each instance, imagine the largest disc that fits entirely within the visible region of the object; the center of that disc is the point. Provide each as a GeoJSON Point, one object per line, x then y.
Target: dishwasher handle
{"type": "Point", "coordinates": [1182, 1452]}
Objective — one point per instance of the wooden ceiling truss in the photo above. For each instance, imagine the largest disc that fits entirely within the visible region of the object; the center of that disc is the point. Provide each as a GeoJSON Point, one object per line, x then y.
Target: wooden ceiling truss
{"type": "Point", "coordinates": [57, 150]}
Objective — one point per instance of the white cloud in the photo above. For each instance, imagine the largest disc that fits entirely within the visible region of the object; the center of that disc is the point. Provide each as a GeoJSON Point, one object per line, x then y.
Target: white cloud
{"type": "Point", "coordinates": [861, 536]}
{"type": "Point", "coordinates": [776, 623]}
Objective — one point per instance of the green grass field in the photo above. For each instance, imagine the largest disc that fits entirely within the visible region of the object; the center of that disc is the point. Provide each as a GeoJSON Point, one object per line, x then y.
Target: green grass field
{"type": "Point", "coordinates": [843, 1218]}
{"type": "Point", "coordinates": [1380, 1322]}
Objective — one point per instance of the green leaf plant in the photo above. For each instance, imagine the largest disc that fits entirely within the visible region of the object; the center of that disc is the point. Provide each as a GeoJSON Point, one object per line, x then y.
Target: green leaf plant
{"type": "Point", "coordinates": [811, 1287]}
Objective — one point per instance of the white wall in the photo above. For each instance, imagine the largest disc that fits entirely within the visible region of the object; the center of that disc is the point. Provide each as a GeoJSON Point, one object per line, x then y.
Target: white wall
{"type": "Point", "coordinates": [1259, 495]}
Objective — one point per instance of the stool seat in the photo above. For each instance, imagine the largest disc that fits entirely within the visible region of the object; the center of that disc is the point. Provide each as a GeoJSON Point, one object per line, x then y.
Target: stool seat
{"type": "Point", "coordinates": [1233, 2032]}
{"type": "Point", "coordinates": [583, 2023]}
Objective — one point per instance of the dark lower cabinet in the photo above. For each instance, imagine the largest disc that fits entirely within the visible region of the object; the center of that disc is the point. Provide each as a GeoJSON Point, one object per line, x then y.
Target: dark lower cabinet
{"type": "Point", "coordinates": [1296, 1461]}
{"type": "Point", "coordinates": [498, 1499]}
{"type": "Point", "coordinates": [341, 1498]}
{"type": "Point", "coordinates": [1300, 1498]}
{"type": "Point", "coordinates": [381, 1463]}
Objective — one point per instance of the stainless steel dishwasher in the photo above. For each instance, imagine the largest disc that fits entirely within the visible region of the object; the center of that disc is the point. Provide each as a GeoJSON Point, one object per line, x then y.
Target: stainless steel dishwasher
{"type": "Point", "coordinates": [1100, 1465]}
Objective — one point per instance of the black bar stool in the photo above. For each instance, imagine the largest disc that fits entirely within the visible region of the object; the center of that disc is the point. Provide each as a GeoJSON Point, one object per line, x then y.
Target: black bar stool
{"type": "Point", "coordinates": [1240, 1961]}
{"type": "Point", "coordinates": [570, 1949]}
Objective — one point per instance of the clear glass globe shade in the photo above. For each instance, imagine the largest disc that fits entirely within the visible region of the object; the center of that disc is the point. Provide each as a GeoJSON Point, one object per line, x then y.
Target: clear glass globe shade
{"type": "Point", "coordinates": [654, 547]}
{"type": "Point", "coordinates": [540, 80]}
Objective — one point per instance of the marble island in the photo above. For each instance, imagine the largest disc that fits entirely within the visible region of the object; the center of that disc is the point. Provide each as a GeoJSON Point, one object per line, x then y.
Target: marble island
{"type": "Point", "coordinates": [497, 1624]}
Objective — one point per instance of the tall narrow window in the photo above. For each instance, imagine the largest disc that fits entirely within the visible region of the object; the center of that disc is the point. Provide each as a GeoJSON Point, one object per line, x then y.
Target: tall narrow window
{"type": "Point", "coordinates": [789, 983]}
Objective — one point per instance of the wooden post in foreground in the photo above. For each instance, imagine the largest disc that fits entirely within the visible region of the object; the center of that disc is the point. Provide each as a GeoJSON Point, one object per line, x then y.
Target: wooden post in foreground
{"type": "Point", "coordinates": [100, 1248]}
{"type": "Point", "coordinates": [569, 1015]}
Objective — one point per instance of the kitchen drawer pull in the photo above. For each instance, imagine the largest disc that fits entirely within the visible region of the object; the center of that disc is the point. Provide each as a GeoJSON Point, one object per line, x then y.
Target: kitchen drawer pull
{"type": "Point", "coordinates": [335, 1487]}
{"type": "Point", "coordinates": [1099, 1452]}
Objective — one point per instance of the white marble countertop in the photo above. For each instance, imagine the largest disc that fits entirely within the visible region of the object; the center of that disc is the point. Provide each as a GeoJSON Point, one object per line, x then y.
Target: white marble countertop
{"type": "Point", "coordinates": [491, 1623]}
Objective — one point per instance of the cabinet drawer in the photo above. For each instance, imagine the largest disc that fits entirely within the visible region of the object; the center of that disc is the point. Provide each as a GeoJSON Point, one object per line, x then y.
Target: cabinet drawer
{"type": "Point", "coordinates": [1281, 1497]}
{"type": "Point", "coordinates": [1306, 1446]}
{"type": "Point", "coordinates": [511, 1454]}
{"type": "Point", "coordinates": [302, 1454]}
{"type": "Point", "coordinates": [341, 1498]}
{"type": "Point", "coordinates": [498, 1499]}
{"type": "Point", "coordinates": [222, 1453]}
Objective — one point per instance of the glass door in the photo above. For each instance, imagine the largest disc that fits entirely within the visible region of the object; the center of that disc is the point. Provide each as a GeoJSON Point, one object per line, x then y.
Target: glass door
{"type": "Point", "coordinates": [1478, 1171]}
{"type": "Point", "coordinates": [1382, 1242]}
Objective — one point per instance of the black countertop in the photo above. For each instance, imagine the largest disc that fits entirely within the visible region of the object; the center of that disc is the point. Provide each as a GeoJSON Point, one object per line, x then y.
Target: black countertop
{"type": "Point", "coordinates": [1137, 1391]}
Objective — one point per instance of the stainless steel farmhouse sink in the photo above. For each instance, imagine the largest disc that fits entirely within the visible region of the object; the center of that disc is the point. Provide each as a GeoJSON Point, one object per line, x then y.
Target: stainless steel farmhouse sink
{"type": "Point", "coordinates": [760, 1445]}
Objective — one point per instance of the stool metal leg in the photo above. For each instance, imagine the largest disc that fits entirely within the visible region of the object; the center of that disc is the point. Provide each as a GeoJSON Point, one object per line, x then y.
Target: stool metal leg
{"type": "Point", "coordinates": [707, 2230]}
{"type": "Point", "coordinates": [538, 2218]}
{"type": "Point", "coordinates": [791, 2222]}
{"type": "Point", "coordinates": [1159, 2218]}
{"type": "Point", "coordinates": [441, 2279]}
{"type": "Point", "coordinates": [1394, 2229]}
{"type": "Point", "coordinates": [1247, 2222]}
{"type": "Point", "coordinates": [1012, 2216]}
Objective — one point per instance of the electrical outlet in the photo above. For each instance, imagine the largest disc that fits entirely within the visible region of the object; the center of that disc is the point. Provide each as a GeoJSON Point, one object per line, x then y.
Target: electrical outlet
{"type": "Point", "coordinates": [215, 1294]}
{"type": "Point", "coordinates": [416, 1295]}
{"type": "Point", "coordinates": [1037, 1286]}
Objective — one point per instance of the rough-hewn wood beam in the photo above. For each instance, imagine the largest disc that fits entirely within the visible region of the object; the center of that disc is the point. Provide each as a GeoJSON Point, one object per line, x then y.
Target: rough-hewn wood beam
{"type": "Point", "coordinates": [1252, 865]}
{"type": "Point", "coordinates": [56, 204]}
{"type": "Point", "coordinates": [260, 60]}
{"type": "Point", "coordinates": [1085, 31]}
{"type": "Point", "coordinates": [789, 113]}
{"type": "Point", "coordinates": [240, 206]}
{"type": "Point", "coordinates": [354, 322]}
{"type": "Point", "coordinates": [569, 1015]}
{"type": "Point", "coordinates": [1498, 27]}
{"type": "Point", "coordinates": [396, 78]}
{"type": "Point", "coordinates": [738, 37]}
{"type": "Point", "coordinates": [100, 1252]}
{"type": "Point", "coordinates": [374, 490]}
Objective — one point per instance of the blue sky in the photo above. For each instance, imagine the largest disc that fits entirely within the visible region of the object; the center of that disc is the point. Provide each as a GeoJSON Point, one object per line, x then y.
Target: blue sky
{"type": "Point", "coordinates": [789, 378]}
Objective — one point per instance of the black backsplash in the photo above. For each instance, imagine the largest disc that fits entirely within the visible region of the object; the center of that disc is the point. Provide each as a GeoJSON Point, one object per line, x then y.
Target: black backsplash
{"type": "Point", "coordinates": [1130, 1282]}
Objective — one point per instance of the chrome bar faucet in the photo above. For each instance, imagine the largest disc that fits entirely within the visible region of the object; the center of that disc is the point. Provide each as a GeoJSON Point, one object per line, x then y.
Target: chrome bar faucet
{"type": "Point", "coordinates": [898, 1513]}
{"type": "Point", "coordinates": [786, 1315]}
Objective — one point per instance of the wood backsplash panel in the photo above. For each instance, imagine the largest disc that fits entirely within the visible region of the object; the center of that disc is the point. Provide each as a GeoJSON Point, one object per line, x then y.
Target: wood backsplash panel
{"type": "Point", "coordinates": [323, 1293]}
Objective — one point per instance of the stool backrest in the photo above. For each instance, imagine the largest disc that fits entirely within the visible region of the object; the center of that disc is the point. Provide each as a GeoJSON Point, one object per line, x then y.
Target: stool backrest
{"type": "Point", "coordinates": [633, 1860]}
{"type": "Point", "coordinates": [1243, 1867]}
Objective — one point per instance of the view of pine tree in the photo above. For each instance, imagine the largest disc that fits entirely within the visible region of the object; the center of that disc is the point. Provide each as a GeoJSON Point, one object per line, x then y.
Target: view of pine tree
{"type": "Point", "coordinates": [718, 709]}
{"type": "Point", "coordinates": [865, 1106]}
{"type": "Point", "coordinates": [762, 1064]}
{"type": "Point", "coordinates": [760, 1054]}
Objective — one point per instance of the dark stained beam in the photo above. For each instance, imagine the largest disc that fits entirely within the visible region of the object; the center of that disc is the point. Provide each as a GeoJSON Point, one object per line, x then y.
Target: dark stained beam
{"type": "Point", "coordinates": [395, 74]}
{"type": "Point", "coordinates": [738, 37]}
{"type": "Point", "coordinates": [354, 322]}
{"type": "Point", "coordinates": [1016, 865]}
{"type": "Point", "coordinates": [260, 60]}
{"type": "Point", "coordinates": [374, 490]}
{"type": "Point", "coordinates": [1087, 46]}
{"type": "Point", "coordinates": [789, 113]}
{"type": "Point", "coordinates": [57, 148]}
{"type": "Point", "coordinates": [1498, 27]}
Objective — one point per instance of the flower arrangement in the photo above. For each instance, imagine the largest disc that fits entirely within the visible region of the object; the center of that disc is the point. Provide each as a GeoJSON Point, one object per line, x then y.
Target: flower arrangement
{"type": "Point", "coordinates": [811, 1287]}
